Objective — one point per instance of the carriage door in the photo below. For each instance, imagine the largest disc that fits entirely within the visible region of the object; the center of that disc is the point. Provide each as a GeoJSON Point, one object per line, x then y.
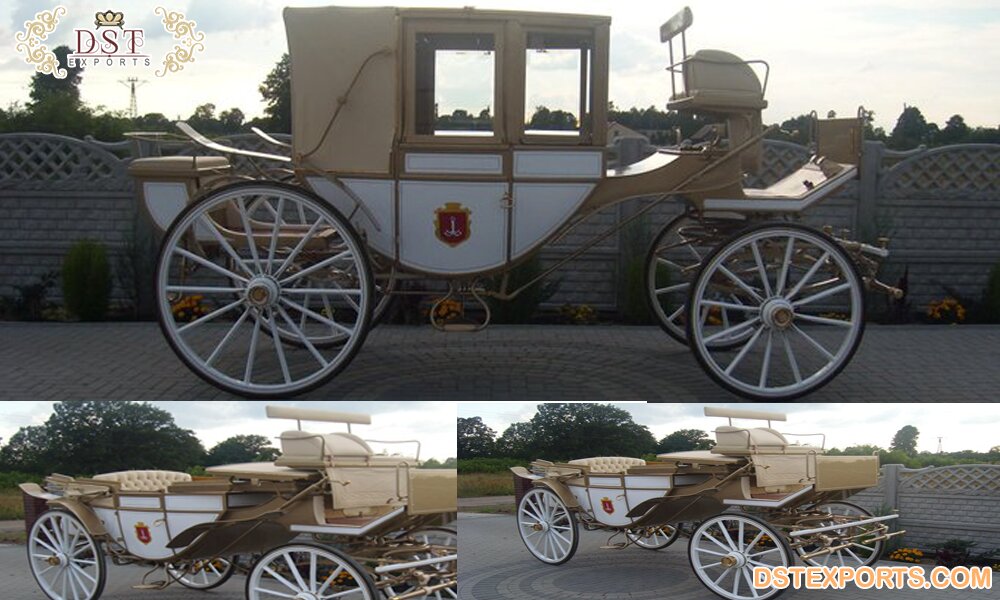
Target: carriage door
{"type": "Point", "coordinates": [453, 192]}
{"type": "Point", "coordinates": [560, 154]}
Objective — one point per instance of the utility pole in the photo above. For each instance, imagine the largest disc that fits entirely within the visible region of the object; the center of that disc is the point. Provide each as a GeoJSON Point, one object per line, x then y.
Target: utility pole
{"type": "Point", "coordinates": [133, 107]}
{"type": "Point", "coordinates": [940, 447]}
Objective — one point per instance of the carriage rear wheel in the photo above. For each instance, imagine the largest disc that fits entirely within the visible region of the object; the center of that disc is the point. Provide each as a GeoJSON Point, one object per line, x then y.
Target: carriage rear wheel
{"type": "Point", "coordinates": [653, 538]}
{"type": "Point", "coordinates": [308, 572]}
{"type": "Point", "coordinates": [802, 304]}
{"type": "Point", "coordinates": [204, 574]}
{"type": "Point", "coordinates": [263, 289]}
{"type": "Point", "coordinates": [672, 262]}
{"type": "Point", "coordinates": [547, 527]}
{"type": "Point", "coordinates": [861, 552]}
{"type": "Point", "coordinates": [725, 549]}
{"type": "Point", "coordinates": [66, 561]}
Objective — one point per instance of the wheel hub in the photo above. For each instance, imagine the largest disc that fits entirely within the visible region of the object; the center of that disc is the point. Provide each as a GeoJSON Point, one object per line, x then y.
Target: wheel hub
{"type": "Point", "coordinates": [55, 560]}
{"type": "Point", "coordinates": [733, 560]}
{"type": "Point", "coordinates": [262, 292]}
{"type": "Point", "coordinates": [777, 313]}
{"type": "Point", "coordinates": [540, 526]}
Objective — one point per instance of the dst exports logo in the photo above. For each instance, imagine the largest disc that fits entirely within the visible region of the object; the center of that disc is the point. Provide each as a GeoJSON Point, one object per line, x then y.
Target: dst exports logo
{"type": "Point", "coordinates": [110, 43]}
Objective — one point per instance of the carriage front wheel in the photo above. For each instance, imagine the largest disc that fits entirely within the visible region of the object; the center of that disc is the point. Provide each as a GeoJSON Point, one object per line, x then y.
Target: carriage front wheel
{"type": "Point", "coordinates": [547, 526]}
{"type": "Point", "coordinates": [263, 289]}
{"type": "Point", "coordinates": [800, 299]}
{"type": "Point", "coordinates": [65, 559]}
{"type": "Point", "coordinates": [725, 549]}
{"type": "Point", "coordinates": [308, 571]}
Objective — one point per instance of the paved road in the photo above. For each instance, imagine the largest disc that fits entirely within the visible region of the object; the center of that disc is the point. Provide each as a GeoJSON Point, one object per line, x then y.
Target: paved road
{"type": "Point", "coordinates": [57, 361]}
{"type": "Point", "coordinates": [16, 582]}
{"type": "Point", "coordinates": [494, 565]}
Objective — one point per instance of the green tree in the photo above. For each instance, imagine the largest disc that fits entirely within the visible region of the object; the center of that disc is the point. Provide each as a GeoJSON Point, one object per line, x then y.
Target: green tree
{"type": "Point", "coordinates": [25, 451]}
{"type": "Point", "coordinates": [911, 130]}
{"type": "Point", "coordinates": [88, 437]}
{"type": "Point", "coordinates": [277, 92]}
{"type": "Point", "coordinates": [66, 91]}
{"type": "Point", "coordinates": [567, 431]}
{"type": "Point", "coordinates": [550, 120]}
{"type": "Point", "coordinates": [232, 119]}
{"type": "Point", "coordinates": [955, 131]}
{"type": "Point", "coordinates": [241, 449]}
{"type": "Point", "coordinates": [685, 439]}
{"type": "Point", "coordinates": [905, 440]}
{"type": "Point", "coordinates": [475, 438]}
{"type": "Point", "coordinates": [516, 441]}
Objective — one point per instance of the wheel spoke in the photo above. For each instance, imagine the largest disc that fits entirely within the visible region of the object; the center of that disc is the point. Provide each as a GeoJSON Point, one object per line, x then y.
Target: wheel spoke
{"type": "Point", "coordinates": [277, 577]}
{"type": "Point", "coordinates": [209, 265]}
{"type": "Point", "coordinates": [766, 362]}
{"type": "Point", "coordinates": [813, 342]}
{"type": "Point", "coordinates": [347, 292]}
{"type": "Point", "coordinates": [740, 283]}
{"type": "Point", "coordinates": [318, 317]}
{"type": "Point", "coordinates": [792, 363]}
{"type": "Point", "coordinates": [805, 278]}
{"type": "Point", "coordinates": [783, 275]}
{"type": "Point", "coordinates": [225, 340]}
{"type": "Point", "coordinates": [210, 316]}
{"type": "Point", "coordinates": [274, 232]}
{"type": "Point", "coordinates": [824, 320]}
{"type": "Point", "coordinates": [729, 332]}
{"type": "Point", "coordinates": [329, 580]}
{"type": "Point", "coordinates": [251, 241]}
{"type": "Point", "coordinates": [824, 294]}
{"type": "Point", "coordinates": [224, 243]}
{"type": "Point", "coordinates": [749, 580]}
{"type": "Point", "coordinates": [732, 306]}
{"type": "Point", "coordinates": [305, 341]}
{"type": "Point", "coordinates": [203, 289]}
{"type": "Point", "coordinates": [760, 269]}
{"type": "Point", "coordinates": [278, 347]}
{"type": "Point", "coordinates": [743, 351]}
{"type": "Point", "coordinates": [252, 353]}
{"type": "Point", "coordinates": [672, 288]}
{"type": "Point", "coordinates": [295, 571]}
{"type": "Point", "coordinates": [298, 247]}
{"type": "Point", "coordinates": [313, 268]}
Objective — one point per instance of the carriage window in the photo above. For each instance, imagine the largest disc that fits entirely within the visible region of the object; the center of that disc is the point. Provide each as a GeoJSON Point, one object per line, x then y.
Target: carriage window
{"type": "Point", "coordinates": [557, 85]}
{"type": "Point", "coordinates": [455, 74]}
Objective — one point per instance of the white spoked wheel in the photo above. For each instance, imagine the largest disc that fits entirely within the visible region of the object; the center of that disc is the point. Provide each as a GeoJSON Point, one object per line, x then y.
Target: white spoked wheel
{"type": "Point", "coordinates": [653, 538]}
{"type": "Point", "coordinates": [726, 548]}
{"type": "Point", "coordinates": [203, 574]}
{"type": "Point", "coordinates": [308, 572]}
{"type": "Point", "coordinates": [252, 259]}
{"type": "Point", "coordinates": [429, 542]}
{"type": "Point", "coordinates": [547, 527]}
{"type": "Point", "coordinates": [672, 261]}
{"type": "Point", "coordinates": [803, 302]}
{"type": "Point", "coordinates": [861, 551]}
{"type": "Point", "coordinates": [65, 559]}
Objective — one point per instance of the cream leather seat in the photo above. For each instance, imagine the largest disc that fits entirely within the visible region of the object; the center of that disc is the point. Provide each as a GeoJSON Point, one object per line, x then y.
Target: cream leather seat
{"type": "Point", "coordinates": [301, 449]}
{"type": "Point", "coordinates": [756, 440]}
{"type": "Point", "coordinates": [719, 81]}
{"type": "Point", "coordinates": [144, 481]}
{"type": "Point", "coordinates": [608, 464]}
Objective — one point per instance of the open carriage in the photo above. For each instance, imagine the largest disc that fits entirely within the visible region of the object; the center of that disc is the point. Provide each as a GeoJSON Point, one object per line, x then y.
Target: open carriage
{"type": "Point", "coordinates": [268, 285]}
{"type": "Point", "coordinates": [327, 519]}
{"type": "Point", "coordinates": [753, 500]}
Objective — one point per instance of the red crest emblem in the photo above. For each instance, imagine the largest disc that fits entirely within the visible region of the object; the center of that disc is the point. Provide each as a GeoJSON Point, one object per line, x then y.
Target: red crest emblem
{"type": "Point", "coordinates": [452, 223]}
{"type": "Point", "coordinates": [607, 505]}
{"type": "Point", "coordinates": [142, 533]}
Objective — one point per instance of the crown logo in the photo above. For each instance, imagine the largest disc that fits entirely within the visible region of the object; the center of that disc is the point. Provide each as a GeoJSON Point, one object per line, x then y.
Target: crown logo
{"type": "Point", "coordinates": [109, 18]}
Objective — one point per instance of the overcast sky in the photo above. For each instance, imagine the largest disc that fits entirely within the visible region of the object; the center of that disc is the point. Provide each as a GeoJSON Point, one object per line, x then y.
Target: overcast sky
{"type": "Point", "coordinates": [961, 426]}
{"type": "Point", "coordinates": [433, 423]}
{"type": "Point", "coordinates": [938, 56]}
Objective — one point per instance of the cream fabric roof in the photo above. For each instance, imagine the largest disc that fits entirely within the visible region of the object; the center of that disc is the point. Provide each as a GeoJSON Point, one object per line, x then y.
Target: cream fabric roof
{"type": "Point", "coordinates": [328, 46]}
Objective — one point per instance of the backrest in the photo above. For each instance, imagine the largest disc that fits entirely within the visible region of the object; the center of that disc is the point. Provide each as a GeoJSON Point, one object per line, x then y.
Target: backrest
{"type": "Point", "coordinates": [717, 70]}
{"type": "Point", "coordinates": [304, 449]}
{"type": "Point", "coordinates": [144, 481]}
{"type": "Point", "coordinates": [609, 464]}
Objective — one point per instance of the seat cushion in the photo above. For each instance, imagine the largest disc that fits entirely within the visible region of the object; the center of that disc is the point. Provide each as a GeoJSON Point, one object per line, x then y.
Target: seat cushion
{"type": "Point", "coordinates": [756, 440]}
{"type": "Point", "coordinates": [609, 464]}
{"type": "Point", "coordinates": [144, 481]}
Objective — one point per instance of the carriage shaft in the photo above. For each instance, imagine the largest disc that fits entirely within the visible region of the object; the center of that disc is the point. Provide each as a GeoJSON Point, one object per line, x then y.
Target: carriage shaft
{"type": "Point", "coordinates": [842, 525]}
{"type": "Point", "coordinates": [416, 563]}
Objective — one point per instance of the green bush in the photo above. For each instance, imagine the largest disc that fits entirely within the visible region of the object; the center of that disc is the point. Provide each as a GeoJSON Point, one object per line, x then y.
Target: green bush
{"type": "Point", "coordinates": [523, 306]}
{"type": "Point", "coordinates": [991, 296]}
{"type": "Point", "coordinates": [11, 479]}
{"type": "Point", "coordinates": [635, 239]}
{"type": "Point", "coordinates": [87, 280]}
{"type": "Point", "coordinates": [489, 465]}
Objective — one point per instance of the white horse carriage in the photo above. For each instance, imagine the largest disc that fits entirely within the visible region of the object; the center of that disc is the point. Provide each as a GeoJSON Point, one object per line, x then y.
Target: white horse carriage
{"type": "Point", "coordinates": [755, 500]}
{"type": "Point", "coordinates": [328, 519]}
{"type": "Point", "coordinates": [268, 285]}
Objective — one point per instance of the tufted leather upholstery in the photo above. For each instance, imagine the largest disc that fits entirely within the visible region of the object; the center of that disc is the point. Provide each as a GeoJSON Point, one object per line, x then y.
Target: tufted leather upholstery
{"type": "Point", "coordinates": [609, 464]}
{"type": "Point", "coordinates": [144, 481]}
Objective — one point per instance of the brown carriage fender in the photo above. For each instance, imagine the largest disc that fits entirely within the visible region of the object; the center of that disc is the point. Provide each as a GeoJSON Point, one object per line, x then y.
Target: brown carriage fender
{"type": "Point", "coordinates": [93, 524]}
{"type": "Point", "coordinates": [559, 490]}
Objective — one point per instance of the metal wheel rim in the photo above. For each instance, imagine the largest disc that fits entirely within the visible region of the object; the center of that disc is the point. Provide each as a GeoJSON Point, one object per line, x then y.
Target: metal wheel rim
{"type": "Point", "coordinates": [777, 345]}
{"type": "Point", "coordinates": [678, 264]}
{"type": "Point", "coordinates": [657, 539]}
{"type": "Point", "coordinates": [278, 574]}
{"type": "Point", "coordinates": [78, 572]}
{"type": "Point", "coordinates": [438, 536]}
{"type": "Point", "coordinates": [206, 575]}
{"type": "Point", "coordinates": [858, 555]}
{"type": "Point", "coordinates": [288, 368]}
{"type": "Point", "coordinates": [546, 526]}
{"type": "Point", "coordinates": [735, 536]}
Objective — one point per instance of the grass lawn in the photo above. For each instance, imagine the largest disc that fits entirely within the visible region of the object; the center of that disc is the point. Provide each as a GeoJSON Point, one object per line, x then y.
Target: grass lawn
{"type": "Point", "coordinates": [475, 485]}
{"type": "Point", "coordinates": [11, 505]}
